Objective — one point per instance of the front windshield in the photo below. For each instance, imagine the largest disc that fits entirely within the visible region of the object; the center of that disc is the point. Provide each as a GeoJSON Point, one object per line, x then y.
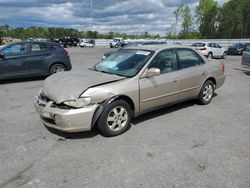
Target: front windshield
{"type": "Point", "coordinates": [125, 63]}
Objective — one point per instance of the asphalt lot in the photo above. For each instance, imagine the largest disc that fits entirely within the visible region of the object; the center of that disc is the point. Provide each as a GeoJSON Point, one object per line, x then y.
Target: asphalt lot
{"type": "Point", "coordinates": [186, 145]}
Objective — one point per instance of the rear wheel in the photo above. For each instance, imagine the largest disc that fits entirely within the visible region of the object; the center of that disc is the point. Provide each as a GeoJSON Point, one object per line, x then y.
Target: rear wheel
{"type": "Point", "coordinates": [224, 55]}
{"type": "Point", "coordinates": [210, 55]}
{"type": "Point", "coordinates": [57, 68]}
{"type": "Point", "coordinates": [207, 92]}
{"type": "Point", "coordinates": [115, 119]}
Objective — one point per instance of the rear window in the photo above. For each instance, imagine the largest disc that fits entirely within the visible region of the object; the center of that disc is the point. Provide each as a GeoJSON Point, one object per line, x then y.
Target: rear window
{"type": "Point", "coordinates": [247, 47]}
{"type": "Point", "coordinates": [198, 44]}
{"type": "Point", "coordinates": [34, 47]}
{"type": "Point", "coordinates": [188, 58]}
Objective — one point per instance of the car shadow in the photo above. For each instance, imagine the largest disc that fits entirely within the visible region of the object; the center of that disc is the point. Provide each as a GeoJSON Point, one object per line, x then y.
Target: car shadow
{"type": "Point", "coordinates": [78, 135]}
{"type": "Point", "coordinates": [18, 80]}
{"type": "Point", "coordinates": [166, 110]}
{"type": "Point", "coordinates": [163, 111]}
{"type": "Point", "coordinates": [246, 70]}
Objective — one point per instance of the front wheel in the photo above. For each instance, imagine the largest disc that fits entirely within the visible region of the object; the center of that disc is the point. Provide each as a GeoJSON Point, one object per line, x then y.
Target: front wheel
{"type": "Point", "coordinates": [224, 55]}
{"type": "Point", "coordinates": [57, 68]}
{"type": "Point", "coordinates": [207, 92]}
{"type": "Point", "coordinates": [115, 119]}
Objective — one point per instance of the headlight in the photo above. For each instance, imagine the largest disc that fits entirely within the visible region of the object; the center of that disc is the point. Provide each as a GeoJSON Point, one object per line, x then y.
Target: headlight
{"type": "Point", "coordinates": [79, 103]}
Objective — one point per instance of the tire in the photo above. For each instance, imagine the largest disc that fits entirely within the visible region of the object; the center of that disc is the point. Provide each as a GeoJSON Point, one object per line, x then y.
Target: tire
{"type": "Point", "coordinates": [210, 55]}
{"type": "Point", "coordinates": [116, 46]}
{"type": "Point", "coordinates": [115, 119]}
{"type": "Point", "coordinates": [206, 93]}
{"type": "Point", "coordinates": [224, 56]}
{"type": "Point", "coordinates": [58, 67]}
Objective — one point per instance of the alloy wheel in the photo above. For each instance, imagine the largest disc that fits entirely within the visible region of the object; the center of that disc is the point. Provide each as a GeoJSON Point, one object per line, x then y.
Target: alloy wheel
{"type": "Point", "coordinates": [207, 92]}
{"type": "Point", "coordinates": [117, 118]}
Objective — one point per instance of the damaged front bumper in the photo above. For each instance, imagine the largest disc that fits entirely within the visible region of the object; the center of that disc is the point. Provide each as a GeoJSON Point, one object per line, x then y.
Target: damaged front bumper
{"type": "Point", "coordinates": [66, 120]}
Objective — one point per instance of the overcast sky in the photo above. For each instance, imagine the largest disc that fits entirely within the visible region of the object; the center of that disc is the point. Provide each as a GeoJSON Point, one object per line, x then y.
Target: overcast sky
{"type": "Point", "coordinates": [129, 16]}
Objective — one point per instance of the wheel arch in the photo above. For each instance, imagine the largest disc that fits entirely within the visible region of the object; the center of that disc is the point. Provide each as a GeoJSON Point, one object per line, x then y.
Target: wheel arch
{"type": "Point", "coordinates": [57, 62]}
{"type": "Point", "coordinates": [211, 79]}
{"type": "Point", "coordinates": [105, 103]}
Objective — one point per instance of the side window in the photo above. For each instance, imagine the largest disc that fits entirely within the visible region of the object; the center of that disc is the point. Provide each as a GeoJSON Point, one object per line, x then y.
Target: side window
{"type": "Point", "coordinates": [14, 50]}
{"type": "Point", "coordinates": [166, 61]}
{"type": "Point", "coordinates": [36, 47]}
{"type": "Point", "coordinates": [247, 47]}
{"type": "Point", "coordinates": [188, 58]}
{"type": "Point", "coordinates": [217, 46]}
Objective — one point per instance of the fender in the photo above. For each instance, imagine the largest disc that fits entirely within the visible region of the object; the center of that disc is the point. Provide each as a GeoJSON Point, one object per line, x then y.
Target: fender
{"type": "Point", "coordinates": [101, 108]}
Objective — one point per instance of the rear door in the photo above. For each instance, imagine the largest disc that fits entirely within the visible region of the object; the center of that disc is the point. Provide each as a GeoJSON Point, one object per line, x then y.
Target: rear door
{"type": "Point", "coordinates": [220, 50]}
{"type": "Point", "coordinates": [192, 71]}
{"type": "Point", "coordinates": [213, 49]}
{"type": "Point", "coordinates": [246, 55]}
{"type": "Point", "coordinates": [13, 64]}
{"type": "Point", "coordinates": [159, 90]}
{"type": "Point", "coordinates": [37, 61]}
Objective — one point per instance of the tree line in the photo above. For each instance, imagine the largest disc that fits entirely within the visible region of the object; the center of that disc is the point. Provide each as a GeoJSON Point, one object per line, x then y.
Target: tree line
{"type": "Point", "coordinates": [54, 32]}
{"type": "Point", "coordinates": [208, 20]}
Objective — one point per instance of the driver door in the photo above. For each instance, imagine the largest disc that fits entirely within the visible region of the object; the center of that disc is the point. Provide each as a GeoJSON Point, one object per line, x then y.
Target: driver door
{"type": "Point", "coordinates": [163, 89]}
{"type": "Point", "coordinates": [13, 62]}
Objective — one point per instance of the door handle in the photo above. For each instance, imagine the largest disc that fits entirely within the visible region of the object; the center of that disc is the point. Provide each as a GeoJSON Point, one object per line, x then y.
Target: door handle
{"type": "Point", "coordinates": [175, 81]}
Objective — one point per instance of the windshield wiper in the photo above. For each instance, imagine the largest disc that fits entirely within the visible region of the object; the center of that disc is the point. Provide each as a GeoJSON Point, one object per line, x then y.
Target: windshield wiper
{"type": "Point", "coordinates": [105, 72]}
{"type": "Point", "coordinates": [93, 68]}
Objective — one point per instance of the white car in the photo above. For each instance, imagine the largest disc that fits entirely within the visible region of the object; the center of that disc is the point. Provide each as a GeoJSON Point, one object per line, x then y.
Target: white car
{"type": "Point", "coordinates": [210, 50]}
{"type": "Point", "coordinates": [87, 43]}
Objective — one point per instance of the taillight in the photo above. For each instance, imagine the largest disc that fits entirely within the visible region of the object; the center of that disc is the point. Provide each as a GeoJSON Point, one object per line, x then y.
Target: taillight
{"type": "Point", "coordinates": [65, 52]}
{"type": "Point", "coordinates": [203, 49]}
{"type": "Point", "coordinates": [222, 67]}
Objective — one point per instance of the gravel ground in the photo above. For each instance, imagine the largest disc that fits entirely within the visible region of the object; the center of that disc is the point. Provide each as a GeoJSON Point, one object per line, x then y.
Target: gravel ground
{"type": "Point", "coordinates": [186, 145]}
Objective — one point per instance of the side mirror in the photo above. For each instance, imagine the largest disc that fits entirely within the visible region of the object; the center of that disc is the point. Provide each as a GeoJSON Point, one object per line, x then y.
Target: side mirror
{"type": "Point", "coordinates": [151, 73]}
{"type": "Point", "coordinates": [2, 55]}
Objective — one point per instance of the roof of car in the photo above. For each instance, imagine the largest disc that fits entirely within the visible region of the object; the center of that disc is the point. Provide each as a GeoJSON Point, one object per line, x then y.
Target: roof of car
{"type": "Point", "coordinates": [20, 42]}
{"type": "Point", "coordinates": [156, 47]}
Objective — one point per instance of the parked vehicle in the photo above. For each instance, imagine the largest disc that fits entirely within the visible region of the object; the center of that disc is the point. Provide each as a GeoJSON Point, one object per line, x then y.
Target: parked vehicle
{"type": "Point", "coordinates": [211, 50]}
{"type": "Point", "coordinates": [246, 55]}
{"type": "Point", "coordinates": [136, 43]}
{"type": "Point", "coordinates": [235, 49]}
{"type": "Point", "coordinates": [87, 43]}
{"type": "Point", "coordinates": [69, 42]}
{"type": "Point", "coordinates": [117, 42]}
{"type": "Point", "coordinates": [27, 59]}
{"type": "Point", "coordinates": [126, 84]}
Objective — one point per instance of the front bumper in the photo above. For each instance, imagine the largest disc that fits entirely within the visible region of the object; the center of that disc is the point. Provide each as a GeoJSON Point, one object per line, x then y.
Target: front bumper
{"type": "Point", "coordinates": [66, 120]}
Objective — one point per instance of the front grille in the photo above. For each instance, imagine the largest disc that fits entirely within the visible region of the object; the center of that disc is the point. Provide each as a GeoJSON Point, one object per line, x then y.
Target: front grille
{"type": "Point", "coordinates": [54, 105]}
{"type": "Point", "coordinates": [44, 98]}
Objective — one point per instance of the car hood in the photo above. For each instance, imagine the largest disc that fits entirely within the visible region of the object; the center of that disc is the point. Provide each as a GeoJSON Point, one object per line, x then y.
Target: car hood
{"type": "Point", "coordinates": [70, 85]}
